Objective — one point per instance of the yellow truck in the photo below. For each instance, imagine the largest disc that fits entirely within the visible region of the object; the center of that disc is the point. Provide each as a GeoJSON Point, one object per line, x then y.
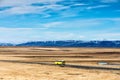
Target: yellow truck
{"type": "Point", "coordinates": [60, 63]}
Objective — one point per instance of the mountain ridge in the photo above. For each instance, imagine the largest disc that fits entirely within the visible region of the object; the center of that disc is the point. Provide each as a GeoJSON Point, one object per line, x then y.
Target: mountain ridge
{"type": "Point", "coordinates": [68, 43]}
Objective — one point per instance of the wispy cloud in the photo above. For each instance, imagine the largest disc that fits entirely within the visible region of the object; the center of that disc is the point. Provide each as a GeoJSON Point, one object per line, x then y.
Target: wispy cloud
{"type": "Point", "coordinates": [27, 20]}
{"type": "Point", "coordinates": [26, 7]}
{"type": "Point", "coordinates": [22, 10]}
{"type": "Point", "coordinates": [32, 9]}
{"type": "Point", "coordinates": [98, 6]}
{"type": "Point", "coordinates": [80, 4]}
{"type": "Point", "coordinates": [4, 3]}
{"type": "Point", "coordinates": [46, 7]}
{"type": "Point", "coordinates": [81, 23]}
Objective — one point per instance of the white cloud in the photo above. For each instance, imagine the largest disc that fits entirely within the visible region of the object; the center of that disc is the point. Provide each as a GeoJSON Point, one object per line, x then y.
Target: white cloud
{"type": "Point", "coordinates": [56, 7]}
{"type": "Point", "coordinates": [98, 6]}
{"type": "Point", "coordinates": [4, 3]}
{"type": "Point", "coordinates": [81, 23]}
{"type": "Point", "coordinates": [80, 4]}
{"type": "Point", "coordinates": [20, 10]}
{"type": "Point", "coordinates": [25, 7]}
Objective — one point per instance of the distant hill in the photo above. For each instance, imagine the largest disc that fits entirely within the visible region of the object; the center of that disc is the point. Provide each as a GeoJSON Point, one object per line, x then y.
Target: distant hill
{"type": "Point", "coordinates": [68, 43]}
{"type": "Point", "coordinates": [6, 44]}
{"type": "Point", "coordinates": [73, 43]}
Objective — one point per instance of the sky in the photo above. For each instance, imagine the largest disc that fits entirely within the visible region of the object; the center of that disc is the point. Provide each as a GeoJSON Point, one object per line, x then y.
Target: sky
{"type": "Point", "coordinates": [46, 20]}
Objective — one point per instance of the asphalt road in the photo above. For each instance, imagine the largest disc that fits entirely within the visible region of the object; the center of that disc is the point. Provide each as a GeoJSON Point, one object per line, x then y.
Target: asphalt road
{"type": "Point", "coordinates": [67, 65]}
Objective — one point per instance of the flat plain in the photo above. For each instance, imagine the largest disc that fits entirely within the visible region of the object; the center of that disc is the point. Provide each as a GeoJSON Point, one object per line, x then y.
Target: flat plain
{"type": "Point", "coordinates": [37, 63]}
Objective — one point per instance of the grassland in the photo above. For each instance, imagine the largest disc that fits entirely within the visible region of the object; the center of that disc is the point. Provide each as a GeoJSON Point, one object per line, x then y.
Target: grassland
{"type": "Point", "coordinates": [15, 63]}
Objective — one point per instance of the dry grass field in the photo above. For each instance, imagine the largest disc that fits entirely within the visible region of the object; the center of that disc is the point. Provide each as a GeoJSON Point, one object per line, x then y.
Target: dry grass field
{"type": "Point", "coordinates": [24, 63]}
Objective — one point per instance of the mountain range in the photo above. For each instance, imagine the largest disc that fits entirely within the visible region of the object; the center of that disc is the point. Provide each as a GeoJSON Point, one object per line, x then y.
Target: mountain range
{"type": "Point", "coordinates": [68, 43]}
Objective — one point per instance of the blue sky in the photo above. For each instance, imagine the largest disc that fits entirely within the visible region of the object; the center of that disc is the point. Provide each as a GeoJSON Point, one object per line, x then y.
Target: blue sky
{"type": "Point", "coordinates": [43, 20]}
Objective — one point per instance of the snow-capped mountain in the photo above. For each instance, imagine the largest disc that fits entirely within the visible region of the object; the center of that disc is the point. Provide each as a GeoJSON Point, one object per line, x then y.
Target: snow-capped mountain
{"type": "Point", "coordinates": [72, 43]}
{"type": "Point", "coordinates": [6, 44]}
{"type": "Point", "coordinates": [68, 43]}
